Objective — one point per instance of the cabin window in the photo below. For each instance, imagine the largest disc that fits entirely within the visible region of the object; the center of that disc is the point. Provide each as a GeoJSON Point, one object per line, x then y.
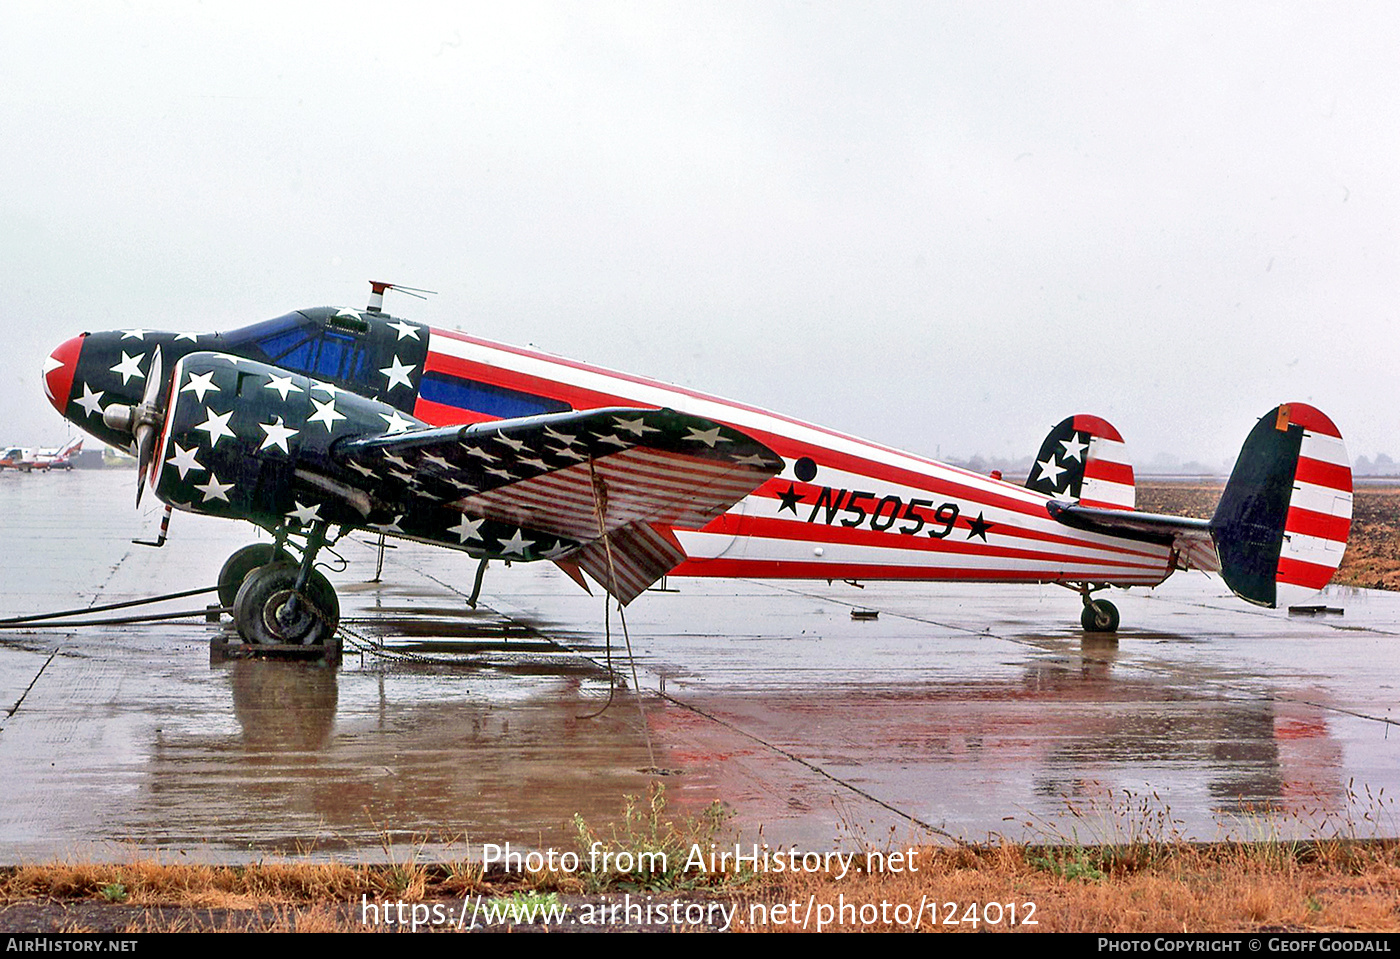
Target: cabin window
{"type": "Point", "coordinates": [487, 398]}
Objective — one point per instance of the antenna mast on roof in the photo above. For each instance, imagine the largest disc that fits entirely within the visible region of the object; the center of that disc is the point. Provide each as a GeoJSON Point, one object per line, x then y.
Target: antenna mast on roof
{"type": "Point", "coordinates": [376, 294]}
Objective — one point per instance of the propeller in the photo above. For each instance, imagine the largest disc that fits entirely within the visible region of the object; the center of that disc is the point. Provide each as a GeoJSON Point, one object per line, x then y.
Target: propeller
{"type": "Point", "coordinates": [142, 421]}
{"type": "Point", "coordinates": [148, 419]}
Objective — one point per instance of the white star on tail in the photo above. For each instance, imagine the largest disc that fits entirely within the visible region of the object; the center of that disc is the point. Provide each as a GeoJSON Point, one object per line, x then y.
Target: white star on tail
{"type": "Point", "coordinates": [277, 435]}
{"type": "Point", "coordinates": [200, 384]}
{"type": "Point", "coordinates": [1051, 470]}
{"type": "Point", "coordinates": [1074, 449]}
{"type": "Point", "coordinates": [184, 460]}
{"type": "Point", "coordinates": [216, 426]}
{"type": "Point", "coordinates": [214, 489]}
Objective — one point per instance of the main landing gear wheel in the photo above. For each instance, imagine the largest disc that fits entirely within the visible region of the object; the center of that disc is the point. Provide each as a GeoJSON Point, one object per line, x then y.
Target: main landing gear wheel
{"type": "Point", "coordinates": [1099, 616]}
{"type": "Point", "coordinates": [264, 612]}
{"type": "Point", "coordinates": [243, 562]}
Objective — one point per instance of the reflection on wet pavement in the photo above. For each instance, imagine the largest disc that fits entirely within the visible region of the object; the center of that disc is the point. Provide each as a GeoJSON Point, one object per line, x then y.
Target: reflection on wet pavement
{"type": "Point", "coordinates": [963, 710]}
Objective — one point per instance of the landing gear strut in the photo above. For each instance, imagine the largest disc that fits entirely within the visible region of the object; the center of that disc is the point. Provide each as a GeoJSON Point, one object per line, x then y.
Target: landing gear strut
{"type": "Point", "coordinates": [1099, 616]}
{"type": "Point", "coordinates": [276, 600]}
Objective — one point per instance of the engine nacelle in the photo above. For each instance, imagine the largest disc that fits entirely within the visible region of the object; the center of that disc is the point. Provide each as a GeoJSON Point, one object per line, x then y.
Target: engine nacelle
{"type": "Point", "coordinates": [247, 440]}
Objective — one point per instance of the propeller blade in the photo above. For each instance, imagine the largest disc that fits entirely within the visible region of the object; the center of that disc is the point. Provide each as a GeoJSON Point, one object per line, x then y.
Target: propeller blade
{"type": "Point", "coordinates": [146, 430]}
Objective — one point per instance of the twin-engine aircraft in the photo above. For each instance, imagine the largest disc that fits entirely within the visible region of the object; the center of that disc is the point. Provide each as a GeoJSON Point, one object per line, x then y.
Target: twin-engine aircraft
{"type": "Point", "coordinates": [326, 421]}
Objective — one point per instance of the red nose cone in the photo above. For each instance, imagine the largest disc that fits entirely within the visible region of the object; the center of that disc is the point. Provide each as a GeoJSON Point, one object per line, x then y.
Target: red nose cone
{"type": "Point", "coordinates": [58, 372]}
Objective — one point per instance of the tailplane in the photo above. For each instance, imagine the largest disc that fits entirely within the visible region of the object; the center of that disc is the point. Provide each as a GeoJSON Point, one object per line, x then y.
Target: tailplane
{"type": "Point", "coordinates": [1282, 523]}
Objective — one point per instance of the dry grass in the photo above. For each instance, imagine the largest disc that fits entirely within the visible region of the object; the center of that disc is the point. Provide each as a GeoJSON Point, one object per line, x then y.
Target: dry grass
{"type": "Point", "coordinates": [1186, 888]}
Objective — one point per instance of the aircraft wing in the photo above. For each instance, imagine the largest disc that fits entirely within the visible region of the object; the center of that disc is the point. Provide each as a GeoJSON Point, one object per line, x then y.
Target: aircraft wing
{"type": "Point", "coordinates": [631, 474]}
{"type": "Point", "coordinates": [1191, 539]}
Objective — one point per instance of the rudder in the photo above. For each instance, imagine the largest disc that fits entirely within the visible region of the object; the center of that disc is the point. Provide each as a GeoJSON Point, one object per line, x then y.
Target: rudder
{"type": "Point", "coordinates": [1282, 523]}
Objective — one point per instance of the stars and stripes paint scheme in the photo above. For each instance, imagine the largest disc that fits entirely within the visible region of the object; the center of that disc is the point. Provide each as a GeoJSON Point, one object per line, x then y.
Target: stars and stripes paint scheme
{"type": "Point", "coordinates": [357, 419]}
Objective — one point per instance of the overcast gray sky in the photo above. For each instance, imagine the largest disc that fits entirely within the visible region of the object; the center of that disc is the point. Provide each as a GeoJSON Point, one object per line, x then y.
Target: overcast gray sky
{"type": "Point", "coordinates": [943, 226]}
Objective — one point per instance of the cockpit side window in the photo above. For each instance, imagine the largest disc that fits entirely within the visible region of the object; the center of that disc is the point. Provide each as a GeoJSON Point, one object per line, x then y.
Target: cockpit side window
{"type": "Point", "coordinates": [293, 344]}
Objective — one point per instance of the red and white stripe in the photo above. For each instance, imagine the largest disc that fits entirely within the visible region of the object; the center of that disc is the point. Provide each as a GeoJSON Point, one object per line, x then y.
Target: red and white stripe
{"type": "Point", "coordinates": [1108, 472]}
{"type": "Point", "coordinates": [643, 485]}
{"type": "Point", "coordinates": [1319, 509]}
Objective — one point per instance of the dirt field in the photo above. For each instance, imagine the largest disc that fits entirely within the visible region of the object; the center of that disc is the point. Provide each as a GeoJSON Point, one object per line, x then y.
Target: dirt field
{"type": "Point", "coordinates": [1373, 551]}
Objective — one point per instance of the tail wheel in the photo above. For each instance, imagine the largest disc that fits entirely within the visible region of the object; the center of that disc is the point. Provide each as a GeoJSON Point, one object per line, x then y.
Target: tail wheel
{"type": "Point", "coordinates": [243, 562]}
{"type": "Point", "coordinates": [264, 612]}
{"type": "Point", "coordinates": [1099, 616]}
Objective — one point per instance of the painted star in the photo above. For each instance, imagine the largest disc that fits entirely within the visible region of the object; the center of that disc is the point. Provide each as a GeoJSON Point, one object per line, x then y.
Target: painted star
{"type": "Point", "coordinates": [201, 384]}
{"type": "Point", "coordinates": [401, 476]}
{"type": "Point", "coordinates": [405, 330]}
{"type": "Point", "coordinates": [395, 422]}
{"type": "Point", "coordinates": [192, 337]}
{"type": "Point", "coordinates": [392, 527]}
{"type": "Point", "coordinates": [346, 313]}
{"type": "Point", "coordinates": [50, 365]}
{"type": "Point", "coordinates": [510, 441]}
{"type": "Point", "coordinates": [184, 460]}
{"type": "Point", "coordinates": [568, 453]}
{"type": "Point", "coordinates": [538, 464]}
{"type": "Point", "coordinates": [480, 453]}
{"type": "Point", "coordinates": [134, 334]}
{"type": "Point", "coordinates": [398, 461]}
{"type": "Point", "coordinates": [503, 474]}
{"type": "Point", "coordinates": [363, 470]}
{"type": "Point", "coordinates": [214, 489]}
{"type": "Point", "coordinates": [306, 515]}
{"type": "Point", "coordinates": [637, 427]}
{"type": "Point", "coordinates": [708, 437]}
{"type": "Point", "coordinates": [277, 435]}
{"type": "Point", "coordinates": [613, 439]}
{"type": "Point", "coordinates": [557, 550]}
{"type": "Point", "coordinates": [1051, 470]}
{"type": "Point", "coordinates": [467, 529]}
{"type": "Point", "coordinates": [282, 384]}
{"type": "Point", "coordinates": [790, 500]}
{"type": "Point", "coordinates": [1074, 447]}
{"type": "Point", "coordinates": [978, 527]}
{"type": "Point", "coordinates": [130, 366]}
{"type": "Point", "coordinates": [325, 414]}
{"type": "Point", "coordinates": [329, 389]}
{"type": "Point", "coordinates": [567, 439]}
{"type": "Point", "coordinates": [516, 544]}
{"type": "Point", "coordinates": [216, 426]}
{"type": "Point", "coordinates": [398, 374]}
{"type": "Point", "coordinates": [90, 401]}
{"type": "Point", "coordinates": [461, 485]}
{"type": "Point", "coordinates": [436, 461]}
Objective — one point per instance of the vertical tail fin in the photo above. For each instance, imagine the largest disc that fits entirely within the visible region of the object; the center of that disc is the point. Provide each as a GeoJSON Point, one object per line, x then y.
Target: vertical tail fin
{"type": "Point", "coordinates": [1084, 459]}
{"type": "Point", "coordinates": [1282, 523]}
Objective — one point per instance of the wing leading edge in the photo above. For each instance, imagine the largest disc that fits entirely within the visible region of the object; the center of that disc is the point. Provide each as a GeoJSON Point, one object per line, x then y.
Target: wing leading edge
{"type": "Point", "coordinates": [604, 486]}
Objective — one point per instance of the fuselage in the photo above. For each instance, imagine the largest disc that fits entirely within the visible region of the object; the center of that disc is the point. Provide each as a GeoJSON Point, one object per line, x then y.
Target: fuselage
{"type": "Point", "coordinates": [841, 508]}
